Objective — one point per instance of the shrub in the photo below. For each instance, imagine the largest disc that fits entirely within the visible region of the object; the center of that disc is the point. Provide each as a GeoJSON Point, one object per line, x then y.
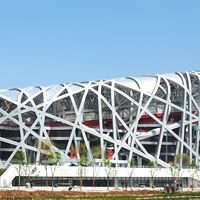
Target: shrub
{"type": "Point", "coordinates": [2, 171]}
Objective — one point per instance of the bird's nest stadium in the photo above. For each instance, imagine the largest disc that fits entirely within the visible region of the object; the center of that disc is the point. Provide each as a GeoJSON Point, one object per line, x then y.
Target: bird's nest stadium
{"type": "Point", "coordinates": [128, 121]}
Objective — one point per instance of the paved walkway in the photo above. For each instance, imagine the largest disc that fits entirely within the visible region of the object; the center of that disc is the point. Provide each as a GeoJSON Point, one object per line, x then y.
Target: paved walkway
{"type": "Point", "coordinates": [90, 189]}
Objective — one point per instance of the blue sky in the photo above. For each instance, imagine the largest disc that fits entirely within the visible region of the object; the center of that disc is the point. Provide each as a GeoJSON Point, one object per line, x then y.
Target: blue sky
{"type": "Point", "coordinates": [58, 41]}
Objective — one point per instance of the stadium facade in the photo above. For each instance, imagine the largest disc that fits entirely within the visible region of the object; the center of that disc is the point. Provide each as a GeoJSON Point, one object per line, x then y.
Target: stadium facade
{"type": "Point", "coordinates": [126, 120]}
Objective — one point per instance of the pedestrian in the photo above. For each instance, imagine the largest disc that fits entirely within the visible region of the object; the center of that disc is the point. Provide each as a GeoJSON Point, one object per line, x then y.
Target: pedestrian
{"type": "Point", "coordinates": [167, 188]}
{"type": "Point", "coordinates": [70, 188]}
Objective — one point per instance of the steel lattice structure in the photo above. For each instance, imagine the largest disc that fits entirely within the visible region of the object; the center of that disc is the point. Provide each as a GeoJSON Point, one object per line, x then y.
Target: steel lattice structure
{"type": "Point", "coordinates": [141, 119]}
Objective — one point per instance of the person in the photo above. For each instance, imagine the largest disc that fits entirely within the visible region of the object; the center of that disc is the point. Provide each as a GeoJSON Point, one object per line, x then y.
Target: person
{"type": "Point", "coordinates": [173, 188]}
{"type": "Point", "coordinates": [28, 185]}
{"type": "Point", "coordinates": [70, 188]}
{"type": "Point", "coordinates": [31, 182]}
{"type": "Point", "coordinates": [167, 188]}
{"type": "Point", "coordinates": [177, 186]}
{"type": "Point", "coordinates": [125, 186]}
{"type": "Point", "coordinates": [55, 184]}
{"type": "Point", "coordinates": [181, 187]}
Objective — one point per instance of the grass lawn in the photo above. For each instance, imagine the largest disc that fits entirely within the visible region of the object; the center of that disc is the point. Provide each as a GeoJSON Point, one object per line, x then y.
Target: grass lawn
{"type": "Point", "coordinates": [123, 195]}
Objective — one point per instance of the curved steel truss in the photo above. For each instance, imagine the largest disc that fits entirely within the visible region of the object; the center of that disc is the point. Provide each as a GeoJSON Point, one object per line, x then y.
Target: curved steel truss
{"type": "Point", "coordinates": [141, 119]}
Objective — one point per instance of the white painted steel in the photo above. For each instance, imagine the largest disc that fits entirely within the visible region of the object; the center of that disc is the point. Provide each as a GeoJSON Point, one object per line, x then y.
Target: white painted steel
{"type": "Point", "coordinates": [122, 102]}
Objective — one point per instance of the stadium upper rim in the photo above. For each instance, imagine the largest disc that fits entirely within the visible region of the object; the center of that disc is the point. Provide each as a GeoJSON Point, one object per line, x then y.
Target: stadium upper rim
{"type": "Point", "coordinates": [144, 83]}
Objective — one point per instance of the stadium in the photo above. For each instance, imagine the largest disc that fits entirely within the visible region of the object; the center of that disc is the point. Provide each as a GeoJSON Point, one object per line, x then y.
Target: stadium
{"type": "Point", "coordinates": [123, 125]}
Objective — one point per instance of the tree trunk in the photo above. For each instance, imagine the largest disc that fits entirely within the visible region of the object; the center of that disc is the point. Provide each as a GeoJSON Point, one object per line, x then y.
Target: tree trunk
{"type": "Point", "coordinates": [129, 181]}
{"type": "Point", "coordinates": [52, 184]}
{"type": "Point", "coordinates": [19, 178]}
{"type": "Point", "coordinates": [46, 175]}
{"type": "Point", "coordinates": [93, 178]}
{"type": "Point", "coordinates": [81, 178]}
{"type": "Point", "coordinates": [93, 181]}
{"type": "Point", "coordinates": [108, 183]}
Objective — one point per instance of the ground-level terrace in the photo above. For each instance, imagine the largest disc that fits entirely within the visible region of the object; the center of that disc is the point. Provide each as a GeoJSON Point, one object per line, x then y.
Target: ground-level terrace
{"type": "Point", "coordinates": [123, 177]}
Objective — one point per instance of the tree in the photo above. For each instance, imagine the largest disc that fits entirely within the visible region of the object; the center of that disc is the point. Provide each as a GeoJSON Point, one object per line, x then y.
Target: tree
{"type": "Point", "coordinates": [175, 170]}
{"type": "Point", "coordinates": [82, 162]}
{"type": "Point", "coordinates": [132, 164]}
{"type": "Point", "coordinates": [51, 158]}
{"type": "Point", "coordinates": [96, 153]}
{"type": "Point", "coordinates": [153, 170]}
{"type": "Point", "coordinates": [24, 167]}
{"type": "Point", "coordinates": [107, 166]}
{"type": "Point", "coordinates": [45, 148]}
{"type": "Point", "coordinates": [182, 158]}
{"type": "Point", "coordinates": [54, 158]}
{"type": "Point", "coordinates": [195, 171]}
{"type": "Point", "coordinates": [28, 170]}
{"type": "Point", "coordinates": [19, 159]}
